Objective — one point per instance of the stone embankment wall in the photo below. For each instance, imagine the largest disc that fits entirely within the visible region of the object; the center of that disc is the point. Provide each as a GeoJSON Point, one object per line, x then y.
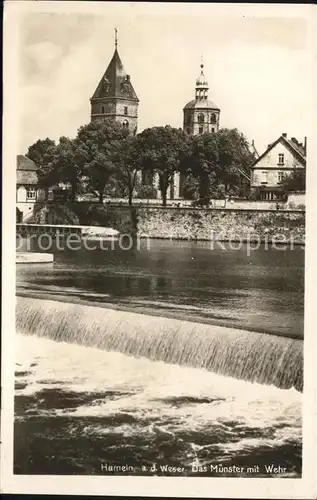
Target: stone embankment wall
{"type": "Point", "coordinates": [221, 225]}
{"type": "Point", "coordinates": [192, 223]}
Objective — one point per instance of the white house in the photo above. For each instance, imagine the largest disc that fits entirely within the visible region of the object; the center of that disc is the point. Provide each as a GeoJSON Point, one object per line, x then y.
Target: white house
{"type": "Point", "coordinates": [280, 159]}
{"type": "Point", "coordinates": [28, 191]}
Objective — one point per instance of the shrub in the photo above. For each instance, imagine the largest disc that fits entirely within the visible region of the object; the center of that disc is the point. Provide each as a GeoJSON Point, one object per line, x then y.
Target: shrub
{"type": "Point", "coordinates": [146, 192]}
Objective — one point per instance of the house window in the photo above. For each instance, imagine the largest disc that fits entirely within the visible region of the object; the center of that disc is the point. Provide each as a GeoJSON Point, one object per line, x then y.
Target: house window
{"type": "Point", "coordinates": [281, 159]}
{"type": "Point", "coordinates": [201, 118]}
{"type": "Point", "coordinates": [255, 178]}
{"type": "Point", "coordinates": [281, 176]}
{"type": "Point", "coordinates": [212, 129]}
{"type": "Point", "coordinates": [30, 194]}
{"type": "Point", "coordinates": [213, 118]}
{"type": "Point", "coordinates": [200, 130]}
{"type": "Point", "coordinates": [102, 109]}
{"type": "Point", "coordinates": [264, 178]}
{"type": "Point", "coordinates": [125, 110]}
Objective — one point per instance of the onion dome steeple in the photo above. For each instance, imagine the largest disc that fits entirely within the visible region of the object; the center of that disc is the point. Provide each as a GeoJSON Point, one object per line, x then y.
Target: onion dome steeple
{"type": "Point", "coordinates": [201, 115]}
{"type": "Point", "coordinates": [201, 84]}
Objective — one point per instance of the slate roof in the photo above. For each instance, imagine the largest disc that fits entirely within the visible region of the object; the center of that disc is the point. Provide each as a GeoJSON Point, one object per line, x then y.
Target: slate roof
{"type": "Point", "coordinates": [201, 104]}
{"type": "Point", "coordinates": [24, 163]}
{"type": "Point", "coordinates": [295, 147]}
{"type": "Point", "coordinates": [115, 82]}
{"type": "Point", "coordinates": [26, 171]}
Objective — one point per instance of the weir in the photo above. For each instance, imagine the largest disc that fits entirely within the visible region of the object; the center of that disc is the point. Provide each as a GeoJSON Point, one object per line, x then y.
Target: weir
{"type": "Point", "coordinates": [252, 356]}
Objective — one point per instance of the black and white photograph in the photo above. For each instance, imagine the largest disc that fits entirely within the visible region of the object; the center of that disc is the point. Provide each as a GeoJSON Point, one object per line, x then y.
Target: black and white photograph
{"type": "Point", "coordinates": [159, 156]}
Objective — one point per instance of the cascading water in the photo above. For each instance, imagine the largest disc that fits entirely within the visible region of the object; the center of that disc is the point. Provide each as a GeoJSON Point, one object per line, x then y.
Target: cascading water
{"type": "Point", "coordinates": [251, 356]}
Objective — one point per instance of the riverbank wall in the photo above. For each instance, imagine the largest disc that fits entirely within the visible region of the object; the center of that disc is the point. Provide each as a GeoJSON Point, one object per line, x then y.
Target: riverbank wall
{"type": "Point", "coordinates": [221, 225]}
{"type": "Point", "coordinates": [187, 223]}
{"type": "Point", "coordinates": [210, 224]}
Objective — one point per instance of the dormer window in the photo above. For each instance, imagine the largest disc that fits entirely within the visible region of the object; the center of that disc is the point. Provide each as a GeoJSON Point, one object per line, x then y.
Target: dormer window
{"type": "Point", "coordinates": [30, 194]}
{"type": "Point", "coordinates": [106, 85]}
{"type": "Point", "coordinates": [125, 85]}
{"type": "Point", "coordinates": [281, 159]}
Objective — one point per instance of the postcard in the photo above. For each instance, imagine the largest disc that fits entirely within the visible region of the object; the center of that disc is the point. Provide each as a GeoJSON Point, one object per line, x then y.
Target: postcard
{"type": "Point", "coordinates": [158, 249]}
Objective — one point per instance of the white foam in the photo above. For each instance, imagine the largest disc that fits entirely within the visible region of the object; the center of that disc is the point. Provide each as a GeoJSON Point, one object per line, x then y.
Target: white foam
{"type": "Point", "coordinates": [153, 388]}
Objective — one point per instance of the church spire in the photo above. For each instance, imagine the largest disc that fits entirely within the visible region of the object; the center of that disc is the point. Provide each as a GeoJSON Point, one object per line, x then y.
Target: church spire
{"type": "Point", "coordinates": [115, 97]}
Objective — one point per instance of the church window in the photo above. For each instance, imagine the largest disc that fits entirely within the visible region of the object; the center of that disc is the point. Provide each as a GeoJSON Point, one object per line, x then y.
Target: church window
{"type": "Point", "coordinates": [102, 109]}
{"type": "Point", "coordinates": [281, 159]}
{"type": "Point", "coordinates": [125, 124]}
{"type": "Point", "coordinates": [213, 118]}
{"type": "Point", "coordinates": [30, 194]}
{"type": "Point", "coordinates": [201, 118]}
{"type": "Point", "coordinates": [212, 129]}
{"type": "Point", "coordinates": [200, 130]}
{"type": "Point", "coordinates": [125, 110]}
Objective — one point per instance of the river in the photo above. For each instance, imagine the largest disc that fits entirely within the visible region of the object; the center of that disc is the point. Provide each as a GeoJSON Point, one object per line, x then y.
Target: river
{"type": "Point", "coordinates": [91, 395]}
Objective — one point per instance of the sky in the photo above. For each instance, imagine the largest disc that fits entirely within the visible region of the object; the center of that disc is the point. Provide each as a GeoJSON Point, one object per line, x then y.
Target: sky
{"type": "Point", "coordinates": [257, 63]}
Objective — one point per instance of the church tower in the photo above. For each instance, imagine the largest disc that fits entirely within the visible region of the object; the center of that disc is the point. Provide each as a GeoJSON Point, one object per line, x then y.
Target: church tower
{"type": "Point", "coordinates": [201, 115]}
{"type": "Point", "coordinates": [114, 97]}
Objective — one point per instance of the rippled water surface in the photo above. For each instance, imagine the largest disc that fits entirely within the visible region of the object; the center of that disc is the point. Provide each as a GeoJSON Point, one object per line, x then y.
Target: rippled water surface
{"type": "Point", "coordinates": [81, 410]}
{"type": "Point", "coordinates": [263, 291]}
{"type": "Point", "coordinates": [79, 407]}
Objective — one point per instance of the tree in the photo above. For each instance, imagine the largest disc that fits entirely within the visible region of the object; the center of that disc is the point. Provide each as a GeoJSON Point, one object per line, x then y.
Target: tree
{"type": "Point", "coordinates": [220, 162]}
{"type": "Point", "coordinates": [42, 153]}
{"type": "Point", "coordinates": [67, 165]}
{"type": "Point", "coordinates": [235, 160]}
{"type": "Point", "coordinates": [99, 144]}
{"type": "Point", "coordinates": [127, 158]}
{"type": "Point", "coordinates": [162, 150]}
{"type": "Point", "coordinates": [201, 165]}
{"type": "Point", "coordinates": [296, 181]}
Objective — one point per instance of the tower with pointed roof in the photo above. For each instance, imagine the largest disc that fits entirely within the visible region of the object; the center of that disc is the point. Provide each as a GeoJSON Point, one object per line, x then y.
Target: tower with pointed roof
{"type": "Point", "coordinates": [201, 115]}
{"type": "Point", "coordinates": [115, 97]}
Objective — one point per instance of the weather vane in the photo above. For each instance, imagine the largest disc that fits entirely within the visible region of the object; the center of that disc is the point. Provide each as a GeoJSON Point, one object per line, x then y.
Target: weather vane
{"type": "Point", "coordinates": [116, 37]}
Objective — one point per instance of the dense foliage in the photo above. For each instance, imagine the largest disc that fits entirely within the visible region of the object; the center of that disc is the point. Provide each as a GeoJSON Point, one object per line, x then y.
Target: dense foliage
{"type": "Point", "coordinates": [104, 160]}
{"type": "Point", "coordinates": [296, 181]}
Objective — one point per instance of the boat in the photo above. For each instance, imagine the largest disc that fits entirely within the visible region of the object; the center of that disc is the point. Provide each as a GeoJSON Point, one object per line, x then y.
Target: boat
{"type": "Point", "coordinates": [99, 233]}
